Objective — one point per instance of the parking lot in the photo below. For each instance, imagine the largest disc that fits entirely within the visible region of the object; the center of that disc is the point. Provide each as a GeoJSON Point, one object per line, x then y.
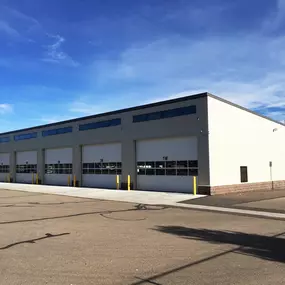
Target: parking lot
{"type": "Point", "coordinates": [50, 239]}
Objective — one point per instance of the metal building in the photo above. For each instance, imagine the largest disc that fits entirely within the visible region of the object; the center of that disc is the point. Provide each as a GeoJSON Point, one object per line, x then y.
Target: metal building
{"type": "Point", "coordinates": [161, 146]}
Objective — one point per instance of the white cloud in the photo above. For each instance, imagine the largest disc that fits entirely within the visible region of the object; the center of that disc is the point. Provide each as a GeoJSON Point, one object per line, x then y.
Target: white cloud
{"type": "Point", "coordinates": [8, 30]}
{"type": "Point", "coordinates": [54, 53]}
{"type": "Point", "coordinates": [6, 109]}
{"type": "Point", "coordinates": [85, 108]}
{"type": "Point", "coordinates": [245, 69]}
{"type": "Point", "coordinates": [17, 25]}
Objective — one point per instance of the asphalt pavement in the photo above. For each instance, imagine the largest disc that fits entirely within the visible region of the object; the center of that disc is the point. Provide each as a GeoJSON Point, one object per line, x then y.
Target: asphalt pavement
{"type": "Point", "coordinates": [52, 239]}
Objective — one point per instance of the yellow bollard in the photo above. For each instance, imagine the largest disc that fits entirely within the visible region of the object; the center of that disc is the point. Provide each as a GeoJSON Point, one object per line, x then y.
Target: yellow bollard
{"type": "Point", "coordinates": [129, 182]}
{"type": "Point", "coordinates": [9, 179]}
{"type": "Point", "coordinates": [68, 180]}
{"type": "Point", "coordinates": [37, 178]}
{"type": "Point", "coordinates": [33, 178]}
{"type": "Point", "coordinates": [74, 181]}
{"type": "Point", "coordinates": [118, 182]}
{"type": "Point", "coordinates": [194, 185]}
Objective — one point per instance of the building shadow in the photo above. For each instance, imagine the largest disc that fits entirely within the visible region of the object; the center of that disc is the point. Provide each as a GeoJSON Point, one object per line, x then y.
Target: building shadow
{"type": "Point", "coordinates": [265, 247]}
{"type": "Point", "coordinates": [32, 241]}
{"type": "Point", "coordinates": [259, 246]}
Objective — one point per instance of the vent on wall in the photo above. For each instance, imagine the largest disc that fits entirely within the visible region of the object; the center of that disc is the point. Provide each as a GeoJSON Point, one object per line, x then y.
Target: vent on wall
{"type": "Point", "coordinates": [243, 174]}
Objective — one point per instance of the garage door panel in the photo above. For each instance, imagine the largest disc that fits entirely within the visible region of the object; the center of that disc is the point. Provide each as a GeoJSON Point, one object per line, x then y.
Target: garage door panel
{"type": "Point", "coordinates": [26, 156]}
{"type": "Point", "coordinates": [99, 181]}
{"type": "Point", "coordinates": [4, 166]}
{"type": "Point", "coordinates": [25, 178]}
{"type": "Point", "coordinates": [58, 179]}
{"type": "Point", "coordinates": [161, 183]}
{"type": "Point", "coordinates": [5, 158]}
{"type": "Point", "coordinates": [64, 155]}
{"type": "Point", "coordinates": [26, 166]}
{"type": "Point", "coordinates": [174, 148]}
{"type": "Point", "coordinates": [58, 166]}
{"type": "Point", "coordinates": [167, 164]}
{"type": "Point", "coordinates": [107, 152]}
{"type": "Point", "coordinates": [3, 177]}
{"type": "Point", "coordinates": [100, 165]}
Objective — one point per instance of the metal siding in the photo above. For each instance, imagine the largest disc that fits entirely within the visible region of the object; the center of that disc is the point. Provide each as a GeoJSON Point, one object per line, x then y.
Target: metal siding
{"type": "Point", "coordinates": [127, 134]}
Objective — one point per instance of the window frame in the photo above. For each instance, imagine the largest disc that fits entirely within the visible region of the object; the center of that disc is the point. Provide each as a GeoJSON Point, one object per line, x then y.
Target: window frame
{"type": "Point", "coordinates": [59, 131]}
{"type": "Point", "coordinates": [165, 114]}
{"type": "Point", "coordinates": [100, 124]}
{"type": "Point", "coordinates": [26, 136]}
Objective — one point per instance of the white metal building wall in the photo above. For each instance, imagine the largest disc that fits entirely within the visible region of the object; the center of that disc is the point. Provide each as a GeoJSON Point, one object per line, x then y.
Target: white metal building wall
{"type": "Point", "coordinates": [24, 160]}
{"type": "Point", "coordinates": [104, 156]}
{"type": "Point", "coordinates": [154, 153]}
{"type": "Point", "coordinates": [239, 138]}
{"type": "Point", "coordinates": [4, 161]}
{"type": "Point", "coordinates": [58, 166]}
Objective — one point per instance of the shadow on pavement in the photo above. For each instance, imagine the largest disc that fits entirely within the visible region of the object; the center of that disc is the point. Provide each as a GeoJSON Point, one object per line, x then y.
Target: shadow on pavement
{"type": "Point", "coordinates": [259, 246]}
{"type": "Point", "coordinates": [31, 241]}
{"type": "Point", "coordinates": [265, 247]}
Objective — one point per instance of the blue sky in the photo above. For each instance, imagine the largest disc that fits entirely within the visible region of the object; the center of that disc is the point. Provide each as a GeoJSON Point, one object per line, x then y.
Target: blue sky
{"type": "Point", "coordinates": [61, 59]}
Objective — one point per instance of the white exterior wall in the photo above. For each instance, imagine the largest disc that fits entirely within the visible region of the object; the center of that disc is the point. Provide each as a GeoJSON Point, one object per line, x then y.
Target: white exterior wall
{"type": "Point", "coordinates": [240, 138]}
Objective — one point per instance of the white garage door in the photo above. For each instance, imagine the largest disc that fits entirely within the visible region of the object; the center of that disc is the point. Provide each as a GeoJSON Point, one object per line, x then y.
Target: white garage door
{"type": "Point", "coordinates": [4, 166]}
{"type": "Point", "coordinates": [167, 164]}
{"type": "Point", "coordinates": [58, 166]}
{"type": "Point", "coordinates": [101, 164]}
{"type": "Point", "coordinates": [26, 166]}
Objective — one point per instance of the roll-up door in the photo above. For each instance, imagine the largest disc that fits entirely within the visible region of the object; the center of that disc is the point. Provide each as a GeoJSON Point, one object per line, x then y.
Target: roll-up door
{"type": "Point", "coordinates": [4, 167]}
{"type": "Point", "coordinates": [26, 166]}
{"type": "Point", "coordinates": [58, 166]}
{"type": "Point", "coordinates": [167, 164]}
{"type": "Point", "coordinates": [101, 164]}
